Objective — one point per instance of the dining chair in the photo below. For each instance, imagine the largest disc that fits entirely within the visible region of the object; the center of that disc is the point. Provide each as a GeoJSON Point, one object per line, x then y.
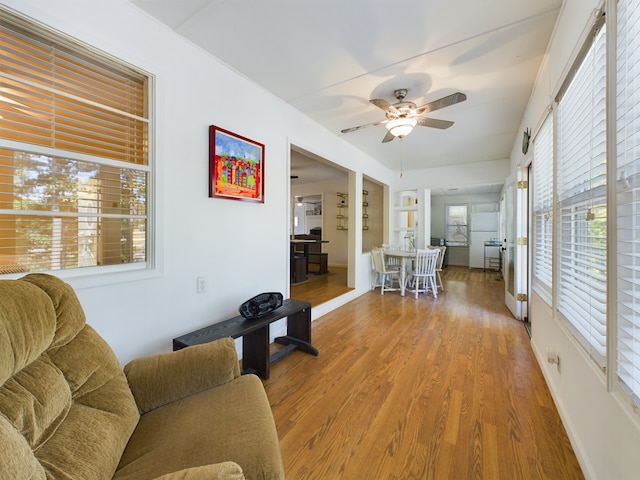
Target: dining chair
{"type": "Point", "coordinates": [424, 271]}
{"type": "Point", "coordinates": [442, 249]}
{"type": "Point", "coordinates": [439, 266]}
{"type": "Point", "coordinates": [386, 276]}
{"type": "Point", "coordinates": [376, 278]}
{"type": "Point", "coordinates": [393, 263]}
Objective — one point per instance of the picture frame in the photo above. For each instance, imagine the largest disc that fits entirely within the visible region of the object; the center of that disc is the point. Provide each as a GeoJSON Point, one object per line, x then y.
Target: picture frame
{"type": "Point", "coordinates": [236, 166]}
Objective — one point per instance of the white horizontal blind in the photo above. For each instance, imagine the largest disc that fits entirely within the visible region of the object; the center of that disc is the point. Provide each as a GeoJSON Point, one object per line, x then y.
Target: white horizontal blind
{"type": "Point", "coordinates": [628, 198]}
{"type": "Point", "coordinates": [56, 94]}
{"type": "Point", "coordinates": [543, 209]}
{"type": "Point", "coordinates": [74, 148]}
{"type": "Point", "coordinates": [581, 185]}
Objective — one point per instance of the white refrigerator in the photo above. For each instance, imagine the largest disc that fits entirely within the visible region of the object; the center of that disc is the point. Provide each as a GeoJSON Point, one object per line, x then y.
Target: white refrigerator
{"type": "Point", "coordinates": [484, 228]}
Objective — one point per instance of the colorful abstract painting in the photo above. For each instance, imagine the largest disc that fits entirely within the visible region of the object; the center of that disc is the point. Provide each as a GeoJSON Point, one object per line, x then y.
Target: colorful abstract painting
{"type": "Point", "coordinates": [236, 166]}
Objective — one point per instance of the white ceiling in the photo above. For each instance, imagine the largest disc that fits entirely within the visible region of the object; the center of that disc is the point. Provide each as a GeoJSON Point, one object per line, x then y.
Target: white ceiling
{"type": "Point", "coordinates": [328, 58]}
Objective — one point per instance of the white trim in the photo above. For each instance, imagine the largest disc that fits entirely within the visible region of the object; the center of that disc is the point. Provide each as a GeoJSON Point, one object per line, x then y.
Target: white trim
{"type": "Point", "coordinates": [82, 157]}
{"type": "Point", "coordinates": [50, 213]}
{"type": "Point", "coordinates": [611, 199]}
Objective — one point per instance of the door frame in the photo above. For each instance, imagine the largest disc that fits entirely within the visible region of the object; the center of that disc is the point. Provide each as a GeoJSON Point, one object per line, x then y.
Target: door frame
{"type": "Point", "coordinates": [516, 186]}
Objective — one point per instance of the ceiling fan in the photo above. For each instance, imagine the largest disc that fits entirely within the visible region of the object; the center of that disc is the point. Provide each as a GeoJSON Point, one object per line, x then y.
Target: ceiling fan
{"type": "Point", "coordinates": [402, 116]}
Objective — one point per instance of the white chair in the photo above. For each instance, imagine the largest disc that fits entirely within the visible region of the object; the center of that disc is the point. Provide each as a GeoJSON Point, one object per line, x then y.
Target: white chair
{"type": "Point", "coordinates": [439, 266]}
{"type": "Point", "coordinates": [376, 278]}
{"type": "Point", "coordinates": [392, 263]}
{"type": "Point", "coordinates": [385, 275]}
{"type": "Point", "coordinates": [424, 270]}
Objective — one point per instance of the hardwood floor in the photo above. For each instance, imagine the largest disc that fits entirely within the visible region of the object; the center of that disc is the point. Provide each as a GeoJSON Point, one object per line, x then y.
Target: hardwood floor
{"type": "Point", "coordinates": [420, 389]}
{"type": "Point", "coordinates": [321, 288]}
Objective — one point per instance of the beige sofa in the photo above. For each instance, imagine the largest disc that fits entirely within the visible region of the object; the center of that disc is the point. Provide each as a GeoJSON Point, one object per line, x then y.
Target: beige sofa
{"type": "Point", "coordinates": [68, 411]}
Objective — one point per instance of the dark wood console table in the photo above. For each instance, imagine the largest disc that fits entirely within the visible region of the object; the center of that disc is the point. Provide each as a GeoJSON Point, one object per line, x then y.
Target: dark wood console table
{"type": "Point", "coordinates": [255, 336]}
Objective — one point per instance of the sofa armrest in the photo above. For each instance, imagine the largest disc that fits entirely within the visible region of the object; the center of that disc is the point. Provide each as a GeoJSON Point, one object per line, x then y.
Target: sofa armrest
{"type": "Point", "coordinates": [160, 379]}
{"type": "Point", "coordinates": [217, 471]}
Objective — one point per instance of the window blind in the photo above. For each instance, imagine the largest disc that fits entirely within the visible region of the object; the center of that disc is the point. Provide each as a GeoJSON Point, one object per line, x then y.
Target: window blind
{"type": "Point", "coordinates": [54, 94]}
{"type": "Point", "coordinates": [74, 153]}
{"type": "Point", "coordinates": [542, 176]}
{"type": "Point", "coordinates": [581, 198]}
{"type": "Point", "coordinates": [628, 198]}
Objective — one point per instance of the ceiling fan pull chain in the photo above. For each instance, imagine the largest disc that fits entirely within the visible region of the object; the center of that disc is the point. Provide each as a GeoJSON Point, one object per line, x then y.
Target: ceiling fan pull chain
{"type": "Point", "coordinates": [401, 154]}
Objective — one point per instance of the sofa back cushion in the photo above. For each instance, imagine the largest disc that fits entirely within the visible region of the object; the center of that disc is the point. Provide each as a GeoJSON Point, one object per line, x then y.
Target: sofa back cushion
{"type": "Point", "coordinates": [66, 410]}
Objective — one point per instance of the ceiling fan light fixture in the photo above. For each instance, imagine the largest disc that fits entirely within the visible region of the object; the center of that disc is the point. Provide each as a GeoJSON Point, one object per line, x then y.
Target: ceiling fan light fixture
{"type": "Point", "coordinates": [401, 127]}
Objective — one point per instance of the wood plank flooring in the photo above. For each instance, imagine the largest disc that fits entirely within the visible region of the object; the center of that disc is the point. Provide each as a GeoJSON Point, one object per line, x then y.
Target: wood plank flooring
{"type": "Point", "coordinates": [321, 288]}
{"type": "Point", "coordinates": [420, 389]}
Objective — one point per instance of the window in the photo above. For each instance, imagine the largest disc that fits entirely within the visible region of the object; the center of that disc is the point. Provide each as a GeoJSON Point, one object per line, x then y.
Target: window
{"type": "Point", "coordinates": [542, 176]}
{"type": "Point", "coordinates": [581, 196]}
{"type": "Point", "coordinates": [74, 154]}
{"type": "Point", "coordinates": [628, 199]}
{"type": "Point", "coordinates": [457, 226]}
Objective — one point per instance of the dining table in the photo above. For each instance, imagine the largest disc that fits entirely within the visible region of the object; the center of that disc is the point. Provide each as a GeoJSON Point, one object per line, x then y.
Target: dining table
{"type": "Point", "coordinates": [406, 257]}
{"type": "Point", "coordinates": [306, 244]}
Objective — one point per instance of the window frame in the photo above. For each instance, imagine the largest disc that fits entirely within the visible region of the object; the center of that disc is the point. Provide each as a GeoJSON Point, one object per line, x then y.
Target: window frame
{"type": "Point", "coordinates": [448, 224]}
{"type": "Point", "coordinates": [625, 192]}
{"type": "Point", "coordinates": [543, 169]}
{"type": "Point", "coordinates": [88, 276]}
{"type": "Point", "coordinates": [575, 241]}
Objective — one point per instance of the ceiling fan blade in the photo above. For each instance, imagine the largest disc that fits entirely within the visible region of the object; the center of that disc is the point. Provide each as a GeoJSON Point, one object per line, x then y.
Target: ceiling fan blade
{"type": "Point", "coordinates": [384, 105]}
{"type": "Point", "coordinates": [441, 103]}
{"type": "Point", "coordinates": [388, 137]}
{"type": "Point", "coordinates": [434, 123]}
{"type": "Point", "coordinates": [353, 129]}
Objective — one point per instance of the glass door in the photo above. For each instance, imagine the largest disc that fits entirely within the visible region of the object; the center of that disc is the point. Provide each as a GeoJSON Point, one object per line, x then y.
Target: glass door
{"type": "Point", "coordinates": [508, 227]}
{"type": "Point", "coordinates": [514, 205]}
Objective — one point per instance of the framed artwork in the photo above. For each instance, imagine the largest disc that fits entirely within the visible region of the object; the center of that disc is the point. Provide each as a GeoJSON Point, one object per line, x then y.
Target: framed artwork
{"type": "Point", "coordinates": [236, 166]}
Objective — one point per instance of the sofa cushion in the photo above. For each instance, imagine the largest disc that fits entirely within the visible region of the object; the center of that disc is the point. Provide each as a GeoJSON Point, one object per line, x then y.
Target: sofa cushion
{"type": "Point", "coordinates": [69, 315]}
{"type": "Point", "coordinates": [17, 459]}
{"type": "Point", "coordinates": [156, 380]}
{"type": "Point", "coordinates": [72, 412]}
{"type": "Point", "coordinates": [218, 471]}
{"type": "Point", "coordinates": [238, 426]}
{"type": "Point", "coordinates": [21, 341]}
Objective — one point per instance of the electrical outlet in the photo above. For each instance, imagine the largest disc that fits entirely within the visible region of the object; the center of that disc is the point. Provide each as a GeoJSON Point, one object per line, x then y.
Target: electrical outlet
{"type": "Point", "coordinates": [553, 358]}
{"type": "Point", "coordinates": [201, 286]}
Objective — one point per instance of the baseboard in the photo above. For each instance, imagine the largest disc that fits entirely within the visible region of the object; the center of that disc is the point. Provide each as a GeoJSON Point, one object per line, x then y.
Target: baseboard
{"type": "Point", "coordinates": [576, 443]}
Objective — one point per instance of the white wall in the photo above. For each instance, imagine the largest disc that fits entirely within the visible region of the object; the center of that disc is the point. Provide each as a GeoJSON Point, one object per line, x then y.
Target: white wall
{"type": "Point", "coordinates": [240, 247]}
{"type": "Point", "coordinates": [604, 430]}
{"type": "Point", "coordinates": [374, 236]}
{"type": "Point", "coordinates": [477, 173]}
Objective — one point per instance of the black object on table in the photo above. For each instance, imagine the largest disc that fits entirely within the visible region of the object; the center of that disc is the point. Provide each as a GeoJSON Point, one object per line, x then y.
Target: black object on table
{"type": "Point", "coordinates": [255, 336]}
{"type": "Point", "coordinates": [261, 305]}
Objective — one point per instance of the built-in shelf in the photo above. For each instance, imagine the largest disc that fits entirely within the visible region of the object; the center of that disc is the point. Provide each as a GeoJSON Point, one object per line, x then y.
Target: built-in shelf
{"type": "Point", "coordinates": [343, 209]}
{"type": "Point", "coordinates": [406, 208]}
{"type": "Point", "coordinates": [365, 215]}
{"type": "Point", "coordinates": [405, 224]}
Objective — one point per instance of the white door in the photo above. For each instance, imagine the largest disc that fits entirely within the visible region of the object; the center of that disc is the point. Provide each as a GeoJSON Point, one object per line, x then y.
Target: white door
{"type": "Point", "coordinates": [514, 205]}
{"type": "Point", "coordinates": [508, 227]}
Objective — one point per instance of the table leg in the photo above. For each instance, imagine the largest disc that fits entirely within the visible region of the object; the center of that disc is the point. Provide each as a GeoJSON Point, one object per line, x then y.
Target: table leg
{"type": "Point", "coordinates": [255, 352]}
{"type": "Point", "coordinates": [299, 332]}
{"type": "Point", "coordinates": [292, 263]}
{"type": "Point", "coordinates": [403, 276]}
{"type": "Point", "coordinates": [306, 247]}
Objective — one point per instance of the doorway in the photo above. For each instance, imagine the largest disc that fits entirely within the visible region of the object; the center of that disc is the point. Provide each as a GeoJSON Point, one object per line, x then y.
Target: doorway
{"type": "Point", "coordinates": [314, 182]}
{"type": "Point", "coordinates": [514, 228]}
